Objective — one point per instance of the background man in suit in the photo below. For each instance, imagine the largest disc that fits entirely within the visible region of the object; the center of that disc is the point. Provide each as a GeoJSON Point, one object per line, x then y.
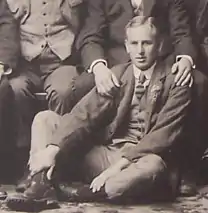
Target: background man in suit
{"type": "Point", "coordinates": [9, 53]}
{"type": "Point", "coordinates": [101, 40]}
{"type": "Point", "coordinates": [198, 13]}
{"type": "Point", "coordinates": [133, 139]}
{"type": "Point", "coordinates": [47, 64]}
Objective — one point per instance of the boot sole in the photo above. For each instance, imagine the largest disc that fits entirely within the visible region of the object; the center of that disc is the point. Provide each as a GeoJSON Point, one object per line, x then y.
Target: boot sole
{"type": "Point", "coordinates": [30, 205]}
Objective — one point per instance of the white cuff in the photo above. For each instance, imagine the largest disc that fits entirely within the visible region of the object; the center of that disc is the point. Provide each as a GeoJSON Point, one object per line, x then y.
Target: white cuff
{"type": "Point", "coordinates": [178, 57]}
{"type": "Point", "coordinates": [8, 71]}
{"type": "Point", "coordinates": [90, 70]}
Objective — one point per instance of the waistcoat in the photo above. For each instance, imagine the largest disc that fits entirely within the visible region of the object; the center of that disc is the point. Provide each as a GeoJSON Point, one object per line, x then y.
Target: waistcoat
{"type": "Point", "coordinates": [52, 22]}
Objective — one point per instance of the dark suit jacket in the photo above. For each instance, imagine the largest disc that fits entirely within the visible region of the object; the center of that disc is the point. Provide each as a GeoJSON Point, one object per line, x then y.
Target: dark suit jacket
{"type": "Point", "coordinates": [101, 118]}
{"type": "Point", "coordinates": [198, 12]}
{"type": "Point", "coordinates": [9, 37]}
{"type": "Point", "coordinates": [102, 36]}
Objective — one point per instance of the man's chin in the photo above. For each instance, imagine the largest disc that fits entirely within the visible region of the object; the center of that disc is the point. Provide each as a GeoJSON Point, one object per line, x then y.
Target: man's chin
{"type": "Point", "coordinates": [142, 66]}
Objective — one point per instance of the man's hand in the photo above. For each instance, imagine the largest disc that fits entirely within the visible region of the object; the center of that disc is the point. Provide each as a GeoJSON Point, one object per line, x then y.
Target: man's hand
{"type": "Point", "coordinates": [43, 159]}
{"type": "Point", "coordinates": [106, 82]}
{"type": "Point", "coordinates": [113, 170]}
{"type": "Point", "coordinates": [182, 69]}
{"type": "Point", "coordinates": [101, 179]}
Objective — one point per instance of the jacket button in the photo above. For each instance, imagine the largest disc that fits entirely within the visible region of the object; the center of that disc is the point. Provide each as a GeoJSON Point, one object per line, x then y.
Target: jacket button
{"type": "Point", "coordinates": [110, 132]}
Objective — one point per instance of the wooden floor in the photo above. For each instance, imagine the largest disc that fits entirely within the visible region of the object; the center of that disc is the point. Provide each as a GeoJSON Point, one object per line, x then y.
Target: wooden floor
{"type": "Point", "coordinates": [195, 204]}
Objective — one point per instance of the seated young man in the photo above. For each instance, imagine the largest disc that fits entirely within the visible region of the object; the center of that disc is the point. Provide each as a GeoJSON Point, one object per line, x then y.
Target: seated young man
{"type": "Point", "coordinates": [130, 142]}
{"type": "Point", "coordinates": [47, 64]}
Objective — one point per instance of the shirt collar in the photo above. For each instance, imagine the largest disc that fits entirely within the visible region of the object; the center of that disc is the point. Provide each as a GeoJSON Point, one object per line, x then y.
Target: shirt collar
{"type": "Point", "coordinates": [147, 73]}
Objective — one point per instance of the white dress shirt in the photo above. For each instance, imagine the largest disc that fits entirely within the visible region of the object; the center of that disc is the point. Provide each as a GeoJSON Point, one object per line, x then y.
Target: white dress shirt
{"type": "Point", "coordinates": [147, 73]}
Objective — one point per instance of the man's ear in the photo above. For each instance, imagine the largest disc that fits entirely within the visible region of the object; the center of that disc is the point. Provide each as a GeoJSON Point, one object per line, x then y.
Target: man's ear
{"type": "Point", "coordinates": [126, 45]}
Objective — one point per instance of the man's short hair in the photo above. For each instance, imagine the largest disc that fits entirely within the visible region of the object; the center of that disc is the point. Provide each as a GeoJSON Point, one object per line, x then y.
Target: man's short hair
{"type": "Point", "coordinates": [141, 21]}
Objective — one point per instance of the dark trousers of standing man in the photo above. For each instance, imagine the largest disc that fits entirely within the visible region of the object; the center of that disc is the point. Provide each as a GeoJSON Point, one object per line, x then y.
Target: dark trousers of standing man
{"type": "Point", "coordinates": [46, 73]}
{"type": "Point", "coordinates": [7, 130]}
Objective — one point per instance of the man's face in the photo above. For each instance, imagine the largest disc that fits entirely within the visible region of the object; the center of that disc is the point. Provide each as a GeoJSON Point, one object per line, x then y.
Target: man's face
{"type": "Point", "coordinates": [142, 44]}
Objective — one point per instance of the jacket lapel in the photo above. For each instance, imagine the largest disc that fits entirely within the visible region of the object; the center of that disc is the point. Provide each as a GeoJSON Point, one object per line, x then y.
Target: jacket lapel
{"type": "Point", "coordinates": [126, 94]}
{"type": "Point", "coordinates": [154, 91]}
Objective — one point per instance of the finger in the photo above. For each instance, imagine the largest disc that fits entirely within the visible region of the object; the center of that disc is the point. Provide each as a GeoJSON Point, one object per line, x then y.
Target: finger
{"type": "Point", "coordinates": [187, 80]}
{"type": "Point", "coordinates": [182, 77]}
{"type": "Point", "coordinates": [32, 173]}
{"type": "Point", "coordinates": [100, 186]}
{"type": "Point", "coordinates": [191, 82]}
{"type": "Point", "coordinates": [50, 171]}
{"type": "Point", "coordinates": [112, 90]}
{"type": "Point", "coordinates": [179, 74]}
{"type": "Point", "coordinates": [115, 80]}
{"type": "Point", "coordinates": [108, 85]}
{"type": "Point", "coordinates": [174, 68]}
{"type": "Point", "coordinates": [92, 184]}
{"type": "Point", "coordinates": [35, 171]}
{"type": "Point", "coordinates": [100, 89]}
{"type": "Point", "coordinates": [106, 92]}
{"type": "Point", "coordinates": [94, 189]}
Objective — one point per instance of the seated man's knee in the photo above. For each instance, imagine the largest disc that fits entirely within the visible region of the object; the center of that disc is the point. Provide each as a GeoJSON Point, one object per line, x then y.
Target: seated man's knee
{"type": "Point", "coordinates": [60, 94]}
{"type": "Point", "coordinates": [151, 162]}
{"type": "Point", "coordinates": [5, 87]}
{"type": "Point", "coordinates": [20, 88]}
{"type": "Point", "coordinates": [46, 117]}
{"type": "Point", "coordinates": [145, 171]}
{"type": "Point", "coordinates": [112, 191]}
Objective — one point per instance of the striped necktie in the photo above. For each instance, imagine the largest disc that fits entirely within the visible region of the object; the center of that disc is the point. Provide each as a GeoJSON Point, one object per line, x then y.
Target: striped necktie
{"type": "Point", "coordinates": [140, 88]}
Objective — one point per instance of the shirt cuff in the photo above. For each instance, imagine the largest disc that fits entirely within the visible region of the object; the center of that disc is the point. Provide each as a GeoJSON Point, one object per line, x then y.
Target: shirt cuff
{"type": "Point", "coordinates": [7, 70]}
{"type": "Point", "coordinates": [52, 144]}
{"type": "Point", "coordinates": [188, 57]}
{"type": "Point", "coordinates": [90, 70]}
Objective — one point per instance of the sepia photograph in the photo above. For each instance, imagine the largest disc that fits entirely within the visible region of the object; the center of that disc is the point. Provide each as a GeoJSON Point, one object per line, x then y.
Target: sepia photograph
{"type": "Point", "coordinates": [104, 106]}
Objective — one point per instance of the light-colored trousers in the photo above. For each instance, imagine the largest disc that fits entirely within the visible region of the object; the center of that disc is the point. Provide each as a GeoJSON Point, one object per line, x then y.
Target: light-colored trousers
{"type": "Point", "coordinates": [143, 177]}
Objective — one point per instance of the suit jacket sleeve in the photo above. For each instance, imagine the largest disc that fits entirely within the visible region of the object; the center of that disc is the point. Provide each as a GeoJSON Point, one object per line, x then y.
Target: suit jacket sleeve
{"type": "Point", "coordinates": [180, 29]}
{"type": "Point", "coordinates": [168, 128]}
{"type": "Point", "coordinates": [91, 114]}
{"type": "Point", "coordinates": [90, 41]}
{"type": "Point", "coordinates": [9, 38]}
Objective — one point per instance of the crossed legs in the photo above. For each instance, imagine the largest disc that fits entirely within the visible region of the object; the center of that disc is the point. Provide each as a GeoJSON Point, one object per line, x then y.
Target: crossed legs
{"type": "Point", "coordinates": [138, 179]}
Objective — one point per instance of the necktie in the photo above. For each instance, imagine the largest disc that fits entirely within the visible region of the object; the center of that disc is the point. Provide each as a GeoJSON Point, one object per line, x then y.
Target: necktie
{"type": "Point", "coordinates": [138, 7]}
{"type": "Point", "coordinates": [140, 89]}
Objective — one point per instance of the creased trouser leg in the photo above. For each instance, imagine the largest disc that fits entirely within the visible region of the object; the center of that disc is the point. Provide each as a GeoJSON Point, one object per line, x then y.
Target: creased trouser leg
{"type": "Point", "coordinates": [43, 127]}
{"type": "Point", "coordinates": [138, 178]}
